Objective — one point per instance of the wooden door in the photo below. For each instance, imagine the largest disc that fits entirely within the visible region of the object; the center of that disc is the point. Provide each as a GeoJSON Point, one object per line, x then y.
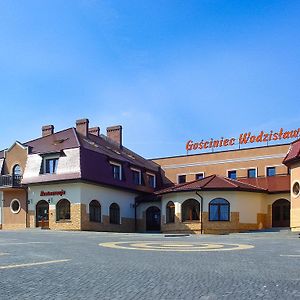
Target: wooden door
{"type": "Point", "coordinates": [153, 219]}
{"type": "Point", "coordinates": [42, 214]}
{"type": "Point", "coordinates": [281, 213]}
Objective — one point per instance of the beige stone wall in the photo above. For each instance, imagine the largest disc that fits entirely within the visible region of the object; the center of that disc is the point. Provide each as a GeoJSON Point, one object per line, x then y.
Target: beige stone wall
{"type": "Point", "coordinates": [31, 219]}
{"type": "Point", "coordinates": [16, 155]}
{"type": "Point", "coordinates": [12, 220]}
{"type": "Point", "coordinates": [127, 224]}
{"type": "Point", "coordinates": [220, 162]}
{"type": "Point", "coordinates": [73, 224]}
{"type": "Point", "coordinates": [295, 200]}
{"type": "Point", "coordinates": [214, 227]}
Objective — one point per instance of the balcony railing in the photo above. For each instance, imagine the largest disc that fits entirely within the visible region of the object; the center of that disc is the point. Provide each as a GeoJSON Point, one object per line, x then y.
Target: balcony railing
{"type": "Point", "coordinates": [10, 181]}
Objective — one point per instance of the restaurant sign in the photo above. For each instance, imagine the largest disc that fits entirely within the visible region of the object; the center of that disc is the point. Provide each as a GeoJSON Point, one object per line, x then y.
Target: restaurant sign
{"type": "Point", "coordinates": [244, 138]}
{"type": "Point", "coordinates": [54, 193]}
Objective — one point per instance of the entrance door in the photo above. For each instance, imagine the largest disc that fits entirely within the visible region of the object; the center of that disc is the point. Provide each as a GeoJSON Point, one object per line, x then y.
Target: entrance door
{"type": "Point", "coordinates": [42, 214]}
{"type": "Point", "coordinates": [153, 219]}
{"type": "Point", "coordinates": [281, 213]}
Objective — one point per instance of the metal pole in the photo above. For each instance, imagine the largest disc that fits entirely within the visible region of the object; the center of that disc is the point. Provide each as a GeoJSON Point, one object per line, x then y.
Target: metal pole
{"type": "Point", "coordinates": [201, 212]}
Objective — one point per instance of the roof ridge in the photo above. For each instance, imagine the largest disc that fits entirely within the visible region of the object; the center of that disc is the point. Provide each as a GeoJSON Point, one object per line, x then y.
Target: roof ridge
{"type": "Point", "coordinates": [212, 177]}
{"type": "Point", "coordinates": [229, 180]}
{"type": "Point", "coordinates": [76, 136]}
{"type": "Point", "coordinates": [255, 186]}
{"type": "Point", "coordinates": [190, 182]}
{"type": "Point", "coordinates": [41, 137]}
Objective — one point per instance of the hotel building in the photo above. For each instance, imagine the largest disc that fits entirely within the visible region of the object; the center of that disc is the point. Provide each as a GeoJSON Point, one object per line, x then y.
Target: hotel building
{"type": "Point", "coordinates": [79, 179]}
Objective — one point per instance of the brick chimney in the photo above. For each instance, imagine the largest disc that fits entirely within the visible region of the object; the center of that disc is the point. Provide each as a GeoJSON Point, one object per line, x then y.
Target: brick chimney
{"type": "Point", "coordinates": [95, 131]}
{"type": "Point", "coordinates": [82, 126]}
{"type": "Point", "coordinates": [47, 130]}
{"type": "Point", "coordinates": [115, 134]}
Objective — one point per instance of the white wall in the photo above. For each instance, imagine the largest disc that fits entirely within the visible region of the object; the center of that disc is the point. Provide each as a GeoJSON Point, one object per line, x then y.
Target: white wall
{"type": "Point", "coordinates": [73, 194]}
{"type": "Point", "coordinates": [70, 163]}
{"type": "Point", "coordinates": [84, 193]}
{"type": "Point", "coordinates": [106, 196]}
{"type": "Point", "coordinates": [142, 207]}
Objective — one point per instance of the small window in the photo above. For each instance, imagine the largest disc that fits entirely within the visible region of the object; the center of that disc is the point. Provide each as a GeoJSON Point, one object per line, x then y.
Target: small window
{"type": "Point", "coordinates": [181, 178]}
{"type": "Point", "coordinates": [170, 212]}
{"type": "Point", "coordinates": [271, 171]}
{"type": "Point", "coordinates": [15, 206]}
{"type": "Point", "coordinates": [251, 173]}
{"type": "Point", "coordinates": [63, 210]}
{"type": "Point", "coordinates": [232, 174]}
{"type": "Point", "coordinates": [151, 180]}
{"type": "Point", "coordinates": [50, 166]}
{"type": "Point", "coordinates": [116, 171]}
{"type": "Point", "coordinates": [114, 214]}
{"type": "Point", "coordinates": [219, 210]}
{"type": "Point", "coordinates": [296, 189]}
{"type": "Point", "coordinates": [136, 176]}
{"type": "Point", "coordinates": [95, 211]}
{"type": "Point", "coordinates": [199, 176]}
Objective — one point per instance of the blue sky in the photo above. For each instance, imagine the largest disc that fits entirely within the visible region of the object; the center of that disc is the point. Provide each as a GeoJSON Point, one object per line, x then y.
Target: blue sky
{"type": "Point", "coordinates": [167, 71]}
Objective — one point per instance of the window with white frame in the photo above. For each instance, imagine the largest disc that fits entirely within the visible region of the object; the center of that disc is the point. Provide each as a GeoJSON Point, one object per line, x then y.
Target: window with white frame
{"type": "Point", "coordinates": [251, 173]}
{"type": "Point", "coordinates": [199, 176]}
{"type": "Point", "coordinates": [136, 176]}
{"type": "Point", "coordinates": [50, 164]}
{"type": "Point", "coordinates": [181, 178]}
{"type": "Point", "coordinates": [271, 171]}
{"type": "Point", "coordinates": [116, 170]}
{"type": "Point", "coordinates": [151, 180]}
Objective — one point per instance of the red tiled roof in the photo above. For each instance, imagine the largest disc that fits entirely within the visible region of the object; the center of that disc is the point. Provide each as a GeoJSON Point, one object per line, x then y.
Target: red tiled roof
{"type": "Point", "coordinates": [273, 184]}
{"type": "Point", "coordinates": [213, 182]}
{"type": "Point", "coordinates": [293, 153]}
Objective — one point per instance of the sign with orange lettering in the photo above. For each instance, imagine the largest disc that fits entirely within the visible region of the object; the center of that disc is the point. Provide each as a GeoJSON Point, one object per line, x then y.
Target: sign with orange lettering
{"type": "Point", "coordinates": [244, 138]}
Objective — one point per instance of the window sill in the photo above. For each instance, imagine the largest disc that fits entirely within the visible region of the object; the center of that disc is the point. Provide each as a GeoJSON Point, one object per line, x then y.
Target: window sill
{"type": "Point", "coordinates": [219, 220]}
{"type": "Point", "coordinates": [191, 221]}
{"type": "Point", "coordinates": [63, 221]}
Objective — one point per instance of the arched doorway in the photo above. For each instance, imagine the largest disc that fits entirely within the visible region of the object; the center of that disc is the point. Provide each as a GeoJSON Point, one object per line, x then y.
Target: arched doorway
{"type": "Point", "coordinates": [42, 214]}
{"type": "Point", "coordinates": [281, 213]}
{"type": "Point", "coordinates": [153, 219]}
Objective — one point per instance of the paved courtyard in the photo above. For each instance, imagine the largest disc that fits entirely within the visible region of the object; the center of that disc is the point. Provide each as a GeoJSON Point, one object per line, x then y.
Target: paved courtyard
{"type": "Point", "coordinates": [37, 264]}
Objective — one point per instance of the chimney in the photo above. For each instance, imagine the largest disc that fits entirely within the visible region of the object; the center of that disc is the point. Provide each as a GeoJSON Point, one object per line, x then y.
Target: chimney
{"type": "Point", "coordinates": [82, 126]}
{"type": "Point", "coordinates": [115, 134]}
{"type": "Point", "coordinates": [95, 131]}
{"type": "Point", "coordinates": [47, 130]}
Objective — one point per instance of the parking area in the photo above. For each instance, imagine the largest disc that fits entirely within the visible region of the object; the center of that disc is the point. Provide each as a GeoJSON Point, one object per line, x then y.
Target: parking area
{"type": "Point", "coordinates": [41, 264]}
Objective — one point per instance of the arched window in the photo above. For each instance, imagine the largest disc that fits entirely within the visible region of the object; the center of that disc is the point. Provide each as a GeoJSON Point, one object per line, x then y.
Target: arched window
{"type": "Point", "coordinates": [17, 171]}
{"type": "Point", "coordinates": [17, 175]}
{"type": "Point", "coordinates": [190, 210]}
{"type": "Point", "coordinates": [170, 212]}
{"type": "Point", "coordinates": [63, 210]}
{"type": "Point", "coordinates": [219, 210]}
{"type": "Point", "coordinates": [95, 211]}
{"type": "Point", "coordinates": [114, 214]}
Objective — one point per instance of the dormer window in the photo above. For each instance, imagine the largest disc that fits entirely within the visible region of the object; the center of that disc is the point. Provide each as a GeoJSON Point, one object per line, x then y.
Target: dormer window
{"type": "Point", "coordinates": [116, 170]}
{"type": "Point", "coordinates": [50, 165]}
{"type": "Point", "coordinates": [151, 179]}
{"type": "Point", "coordinates": [136, 176]}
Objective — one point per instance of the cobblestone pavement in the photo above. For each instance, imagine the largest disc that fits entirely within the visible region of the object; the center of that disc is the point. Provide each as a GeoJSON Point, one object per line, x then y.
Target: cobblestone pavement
{"type": "Point", "coordinates": [40, 264]}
